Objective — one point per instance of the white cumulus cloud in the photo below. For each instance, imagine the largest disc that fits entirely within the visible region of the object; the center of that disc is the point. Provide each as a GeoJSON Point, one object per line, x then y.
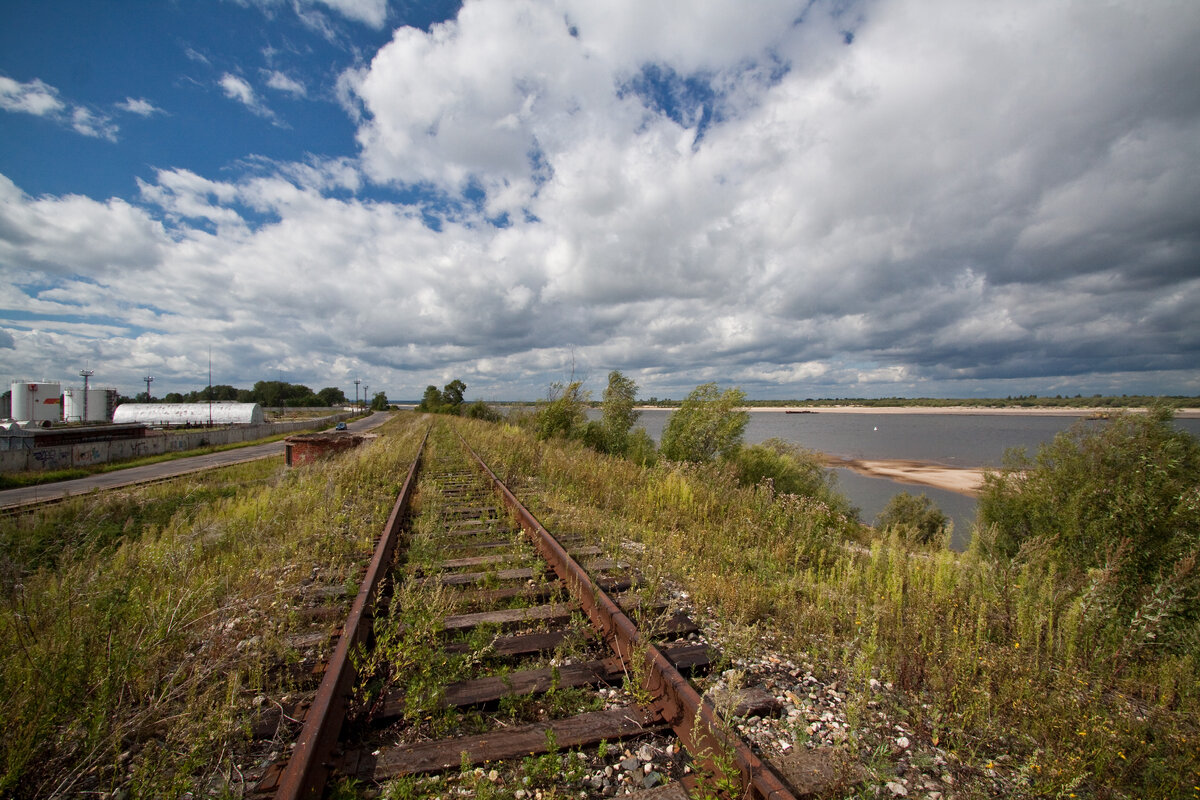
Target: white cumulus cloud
{"type": "Point", "coordinates": [284, 83]}
{"type": "Point", "coordinates": [42, 100]}
{"type": "Point", "coordinates": [372, 13]}
{"type": "Point", "coordinates": [239, 89]}
{"type": "Point", "coordinates": [809, 199]}
{"type": "Point", "coordinates": [34, 97]}
{"type": "Point", "coordinates": [140, 106]}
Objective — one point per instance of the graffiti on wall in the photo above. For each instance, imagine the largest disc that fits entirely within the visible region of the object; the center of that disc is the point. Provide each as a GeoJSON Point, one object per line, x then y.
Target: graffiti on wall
{"type": "Point", "coordinates": [52, 458]}
{"type": "Point", "coordinates": [86, 455]}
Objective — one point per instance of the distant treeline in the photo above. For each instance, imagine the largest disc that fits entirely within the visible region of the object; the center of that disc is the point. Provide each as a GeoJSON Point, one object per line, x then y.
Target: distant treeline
{"type": "Point", "coordinates": [271, 394]}
{"type": "Point", "coordinates": [1020, 401]}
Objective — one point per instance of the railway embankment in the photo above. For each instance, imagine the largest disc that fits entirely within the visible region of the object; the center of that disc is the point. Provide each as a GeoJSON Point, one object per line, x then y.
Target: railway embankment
{"type": "Point", "coordinates": [167, 639]}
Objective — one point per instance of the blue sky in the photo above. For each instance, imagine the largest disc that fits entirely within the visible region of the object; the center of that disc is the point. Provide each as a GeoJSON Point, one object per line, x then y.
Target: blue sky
{"type": "Point", "coordinates": [184, 66]}
{"type": "Point", "coordinates": [803, 199]}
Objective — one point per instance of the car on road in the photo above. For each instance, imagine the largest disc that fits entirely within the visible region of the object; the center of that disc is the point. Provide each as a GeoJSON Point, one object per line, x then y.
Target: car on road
{"type": "Point", "coordinates": [341, 426]}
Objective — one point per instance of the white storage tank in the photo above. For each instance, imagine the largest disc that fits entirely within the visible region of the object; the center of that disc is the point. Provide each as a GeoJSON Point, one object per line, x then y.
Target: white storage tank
{"type": "Point", "coordinates": [36, 401]}
{"type": "Point", "coordinates": [222, 413]}
{"type": "Point", "coordinates": [98, 406]}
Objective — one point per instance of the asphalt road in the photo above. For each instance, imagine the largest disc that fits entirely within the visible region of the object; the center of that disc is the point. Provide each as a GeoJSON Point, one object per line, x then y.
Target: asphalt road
{"type": "Point", "coordinates": [165, 469]}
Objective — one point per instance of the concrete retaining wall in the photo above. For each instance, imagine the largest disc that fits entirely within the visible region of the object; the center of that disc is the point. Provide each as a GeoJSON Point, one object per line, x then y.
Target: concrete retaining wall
{"type": "Point", "coordinates": [154, 443]}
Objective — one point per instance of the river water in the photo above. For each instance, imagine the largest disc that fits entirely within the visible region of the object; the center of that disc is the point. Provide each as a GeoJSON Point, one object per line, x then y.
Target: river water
{"type": "Point", "coordinates": [955, 440]}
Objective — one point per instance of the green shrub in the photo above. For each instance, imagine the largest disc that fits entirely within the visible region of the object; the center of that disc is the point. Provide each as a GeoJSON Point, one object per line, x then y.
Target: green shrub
{"type": "Point", "coordinates": [791, 470]}
{"type": "Point", "coordinates": [707, 424]}
{"type": "Point", "coordinates": [448, 400]}
{"type": "Point", "coordinates": [1114, 510]}
{"type": "Point", "coordinates": [1135, 478]}
{"type": "Point", "coordinates": [481, 410]}
{"type": "Point", "coordinates": [594, 436]}
{"type": "Point", "coordinates": [452, 395]}
{"type": "Point", "coordinates": [617, 415]}
{"type": "Point", "coordinates": [431, 401]}
{"type": "Point", "coordinates": [564, 414]}
{"type": "Point", "coordinates": [640, 448]}
{"type": "Point", "coordinates": [916, 516]}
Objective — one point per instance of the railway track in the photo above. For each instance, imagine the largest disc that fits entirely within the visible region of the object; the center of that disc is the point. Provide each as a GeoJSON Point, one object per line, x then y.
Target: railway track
{"type": "Point", "coordinates": [485, 657]}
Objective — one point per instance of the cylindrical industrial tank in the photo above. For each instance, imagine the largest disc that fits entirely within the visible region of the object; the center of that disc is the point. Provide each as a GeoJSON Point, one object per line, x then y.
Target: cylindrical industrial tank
{"type": "Point", "coordinates": [110, 403]}
{"type": "Point", "coordinates": [99, 404]}
{"type": "Point", "coordinates": [218, 413]}
{"type": "Point", "coordinates": [36, 401]}
{"type": "Point", "coordinates": [73, 404]}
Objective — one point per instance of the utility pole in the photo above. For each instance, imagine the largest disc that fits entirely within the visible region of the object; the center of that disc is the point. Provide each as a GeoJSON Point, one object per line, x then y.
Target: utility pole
{"type": "Point", "coordinates": [356, 383]}
{"type": "Point", "coordinates": [366, 393]}
{"type": "Point", "coordinates": [149, 380]}
{"type": "Point", "coordinates": [85, 374]}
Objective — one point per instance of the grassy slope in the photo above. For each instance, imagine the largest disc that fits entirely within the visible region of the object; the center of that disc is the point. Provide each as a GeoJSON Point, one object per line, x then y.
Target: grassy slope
{"type": "Point", "coordinates": [123, 614]}
{"type": "Point", "coordinates": [995, 666]}
{"type": "Point", "coordinates": [136, 635]}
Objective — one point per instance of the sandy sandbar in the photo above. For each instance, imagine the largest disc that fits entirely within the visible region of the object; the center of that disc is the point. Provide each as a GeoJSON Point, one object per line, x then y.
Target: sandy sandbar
{"type": "Point", "coordinates": [964, 480]}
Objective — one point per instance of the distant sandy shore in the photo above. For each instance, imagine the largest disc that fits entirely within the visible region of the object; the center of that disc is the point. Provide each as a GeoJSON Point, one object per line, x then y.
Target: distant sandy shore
{"type": "Point", "coordinates": [966, 481]}
{"type": "Point", "coordinates": [1183, 413]}
{"type": "Point", "coordinates": [1045, 411]}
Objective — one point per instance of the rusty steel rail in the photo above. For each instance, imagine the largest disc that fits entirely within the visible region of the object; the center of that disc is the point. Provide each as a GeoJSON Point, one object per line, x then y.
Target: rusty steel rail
{"type": "Point", "coordinates": [308, 768]}
{"type": "Point", "coordinates": [692, 717]}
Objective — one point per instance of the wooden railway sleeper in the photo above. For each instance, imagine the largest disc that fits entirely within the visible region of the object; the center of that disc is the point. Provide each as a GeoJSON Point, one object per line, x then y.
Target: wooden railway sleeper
{"type": "Point", "coordinates": [693, 718]}
{"type": "Point", "coordinates": [306, 771]}
{"type": "Point", "coordinates": [674, 700]}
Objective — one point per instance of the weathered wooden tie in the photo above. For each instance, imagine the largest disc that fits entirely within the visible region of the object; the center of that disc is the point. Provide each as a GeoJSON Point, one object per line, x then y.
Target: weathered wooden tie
{"type": "Point", "coordinates": [485, 567]}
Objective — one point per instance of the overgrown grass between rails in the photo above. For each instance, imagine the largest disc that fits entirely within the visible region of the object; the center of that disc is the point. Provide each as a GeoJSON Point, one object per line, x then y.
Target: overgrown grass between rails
{"type": "Point", "coordinates": [997, 663]}
{"type": "Point", "coordinates": [128, 659]}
